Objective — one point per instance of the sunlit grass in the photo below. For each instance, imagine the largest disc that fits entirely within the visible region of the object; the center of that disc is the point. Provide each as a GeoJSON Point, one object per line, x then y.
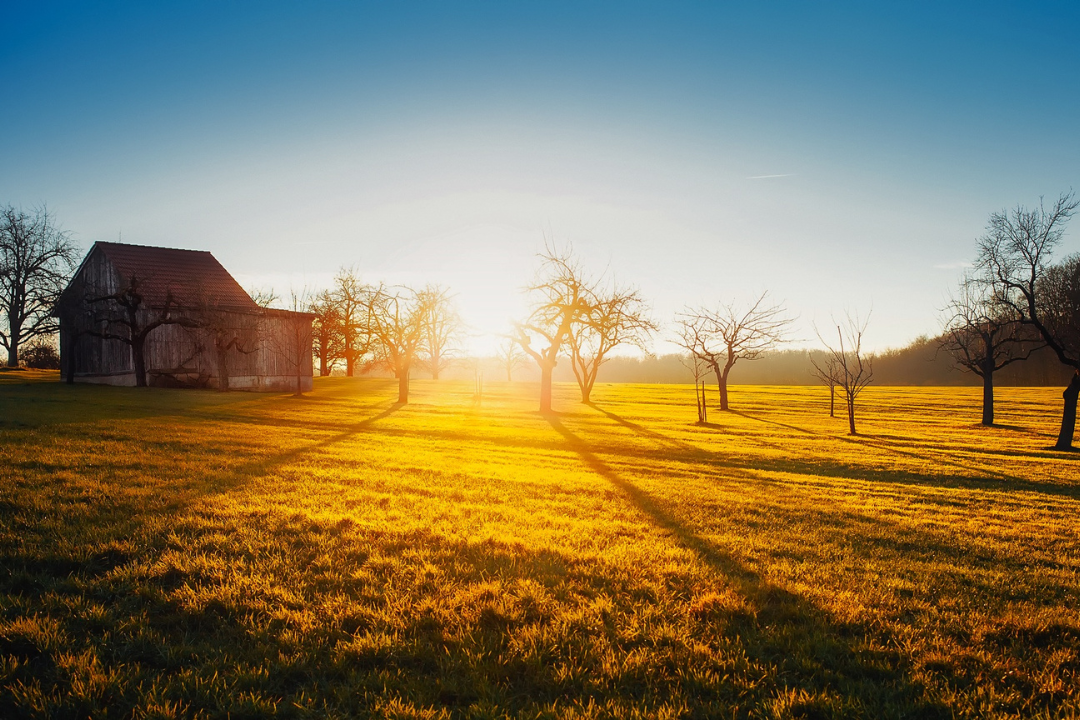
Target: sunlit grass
{"type": "Point", "coordinates": [184, 553]}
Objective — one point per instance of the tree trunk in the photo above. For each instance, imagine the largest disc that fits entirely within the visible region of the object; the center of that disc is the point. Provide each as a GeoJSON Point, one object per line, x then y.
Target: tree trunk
{"type": "Point", "coordinates": [509, 374]}
{"type": "Point", "coordinates": [14, 338]}
{"type": "Point", "coordinates": [832, 400]}
{"type": "Point", "coordinates": [299, 389]}
{"type": "Point", "coordinates": [139, 360]}
{"type": "Point", "coordinates": [721, 381]}
{"type": "Point", "coordinates": [223, 369]}
{"type": "Point", "coordinates": [403, 388]}
{"type": "Point", "coordinates": [851, 416]}
{"type": "Point", "coordinates": [435, 360]}
{"type": "Point", "coordinates": [545, 389]}
{"type": "Point", "coordinates": [323, 369]}
{"type": "Point", "coordinates": [586, 390]}
{"type": "Point", "coordinates": [1068, 415]}
{"type": "Point", "coordinates": [988, 396]}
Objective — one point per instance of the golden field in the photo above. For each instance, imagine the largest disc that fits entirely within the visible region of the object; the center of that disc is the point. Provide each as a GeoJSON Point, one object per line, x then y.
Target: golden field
{"type": "Point", "coordinates": [195, 554]}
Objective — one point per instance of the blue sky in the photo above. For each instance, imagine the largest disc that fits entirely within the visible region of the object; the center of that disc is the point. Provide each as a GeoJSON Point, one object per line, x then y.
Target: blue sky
{"type": "Point", "coordinates": [842, 156]}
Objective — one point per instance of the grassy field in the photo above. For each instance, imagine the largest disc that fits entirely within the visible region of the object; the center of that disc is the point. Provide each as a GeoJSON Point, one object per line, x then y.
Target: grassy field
{"type": "Point", "coordinates": [195, 554]}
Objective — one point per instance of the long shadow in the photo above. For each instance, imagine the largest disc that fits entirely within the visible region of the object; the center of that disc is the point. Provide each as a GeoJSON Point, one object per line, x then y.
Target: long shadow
{"type": "Point", "coordinates": [719, 461]}
{"type": "Point", "coordinates": [796, 428]}
{"type": "Point", "coordinates": [263, 466]}
{"type": "Point", "coordinates": [641, 429]}
{"type": "Point", "coordinates": [865, 440]}
{"type": "Point", "coordinates": [126, 518]}
{"type": "Point", "coordinates": [796, 639]}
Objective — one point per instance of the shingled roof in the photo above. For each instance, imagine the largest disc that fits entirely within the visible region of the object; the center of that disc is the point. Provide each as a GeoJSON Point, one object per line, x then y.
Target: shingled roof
{"type": "Point", "coordinates": [191, 276]}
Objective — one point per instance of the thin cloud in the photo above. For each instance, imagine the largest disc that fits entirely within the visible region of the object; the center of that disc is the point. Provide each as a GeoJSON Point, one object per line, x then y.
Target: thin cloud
{"type": "Point", "coordinates": [768, 177]}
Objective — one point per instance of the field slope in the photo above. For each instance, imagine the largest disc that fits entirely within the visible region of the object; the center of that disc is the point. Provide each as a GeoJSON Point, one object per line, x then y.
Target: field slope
{"type": "Point", "coordinates": [195, 554]}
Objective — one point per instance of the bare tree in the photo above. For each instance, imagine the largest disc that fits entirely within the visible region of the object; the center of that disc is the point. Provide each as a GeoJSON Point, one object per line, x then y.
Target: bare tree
{"type": "Point", "coordinates": [984, 335]}
{"type": "Point", "coordinates": [613, 317]}
{"type": "Point", "coordinates": [397, 323]}
{"type": "Point", "coordinates": [846, 366]}
{"type": "Point", "coordinates": [511, 357]}
{"type": "Point", "coordinates": [442, 331]}
{"type": "Point", "coordinates": [826, 371]}
{"type": "Point", "coordinates": [1015, 256]}
{"type": "Point", "coordinates": [560, 296]}
{"type": "Point", "coordinates": [353, 299]}
{"type": "Point", "coordinates": [264, 297]}
{"type": "Point", "coordinates": [228, 332]}
{"type": "Point", "coordinates": [694, 334]}
{"type": "Point", "coordinates": [124, 316]}
{"type": "Point", "coordinates": [326, 331]}
{"type": "Point", "coordinates": [728, 334]}
{"type": "Point", "coordinates": [36, 260]}
{"type": "Point", "coordinates": [700, 371]}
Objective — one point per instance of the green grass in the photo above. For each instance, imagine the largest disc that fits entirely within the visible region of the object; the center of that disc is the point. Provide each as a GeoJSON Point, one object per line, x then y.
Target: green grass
{"type": "Point", "coordinates": [195, 554]}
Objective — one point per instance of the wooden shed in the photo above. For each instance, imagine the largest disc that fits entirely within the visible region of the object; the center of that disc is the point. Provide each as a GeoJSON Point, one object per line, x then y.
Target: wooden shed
{"type": "Point", "coordinates": [138, 315]}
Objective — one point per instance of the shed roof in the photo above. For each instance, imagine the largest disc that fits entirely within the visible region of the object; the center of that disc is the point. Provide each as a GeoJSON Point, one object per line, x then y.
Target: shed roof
{"type": "Point", "coordinates": [191, 276]}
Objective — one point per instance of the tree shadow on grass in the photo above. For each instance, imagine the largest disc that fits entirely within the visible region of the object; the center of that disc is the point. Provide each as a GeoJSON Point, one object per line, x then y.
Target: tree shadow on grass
{"type": "Point", "coordinates": [115, 511]}
{"type": "Point", "coordinates": [802, 646]}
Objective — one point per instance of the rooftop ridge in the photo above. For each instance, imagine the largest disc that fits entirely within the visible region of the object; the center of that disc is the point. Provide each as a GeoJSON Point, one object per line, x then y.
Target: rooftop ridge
{"type": "Point", "coordinates": [149, 247]}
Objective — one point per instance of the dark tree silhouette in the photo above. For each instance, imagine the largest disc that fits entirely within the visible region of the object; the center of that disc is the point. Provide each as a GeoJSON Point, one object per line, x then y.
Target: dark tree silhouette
{"type": "Point", "coordinates": [984, 335]}
{"type": "Point", "coordinates": [560, 298]}
{"type": "Point", "coordinates": [353, 300]}
{"type": "Point", "coordinates": [700, 370]}
{"type": "Point", "coordinates": [845, 364]}
{"type": "Point", "coordinates": [826, 371]}
{"type": "Point", "coordinates": [1015, 257]}
{"type": "Point", "coordinates": [326, 330]}
{"type": "Point", "coordinates": [614, 316]}
{"type": "Point", "coordinates": [728, 334]}
{"type": "Point", "coordinates": [36, 260]}
{"type": "Point", "coordinates": [228, 331]}
{"type": "Point", "coordinates": [123, 315]}
{"type": "Point", "coordinates": [397, 322]}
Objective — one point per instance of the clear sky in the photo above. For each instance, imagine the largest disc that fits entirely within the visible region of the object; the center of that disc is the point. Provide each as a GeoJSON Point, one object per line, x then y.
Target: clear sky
{"type": "Point", "coordinates": [842, 156]}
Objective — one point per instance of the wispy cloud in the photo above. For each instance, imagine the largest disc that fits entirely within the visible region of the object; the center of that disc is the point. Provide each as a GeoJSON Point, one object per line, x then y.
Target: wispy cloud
{"type": "Point", "coordinates": [769, 177]}
{"type": "Point", "coordinates": [956, 265]}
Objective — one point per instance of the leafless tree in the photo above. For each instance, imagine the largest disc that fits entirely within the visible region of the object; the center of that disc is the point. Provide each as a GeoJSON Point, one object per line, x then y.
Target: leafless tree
{"type": "Point", "coordinates": [124, 316]}
{"type": "Point", "coordinates": [326, 330]}
{"type": "Point", "coordinates": [36, 260]}
{"type": "Point", "coordinates": [700, 371]}
{"type": "Point", "coordinates": [1015, 257]}
{"type": "Point", "coordinates": [723, 336]}
{"type": "Point", "coordinates": [560, 298]}
{"type": "Point", "coordinates": [846, 365]}
{"type": "Point", "coordinates": [291, 339]}
{"type": "Point", "coordinates": [354, 304]}
{"type": "Point", "coordinates": [264, 297]}
{"type": "Point", "coordinates": [442, 329]}
{"type": "Point", "coordinates": [984, 335]}
{"type": "Point", "coordinates": [614, 316]}
{"type": "Point", "coordinates": [227, 331]}
{"type": "Point", "coordinates": [511, 357]}
{"type": "Point", "coordinates": [826, 371]}
{"type": "Point", "coordinates": [397, 323]}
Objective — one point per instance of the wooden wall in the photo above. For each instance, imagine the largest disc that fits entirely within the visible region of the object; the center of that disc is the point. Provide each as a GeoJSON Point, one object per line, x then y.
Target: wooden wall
{"type": "Point", "coordinates": [274, 345]}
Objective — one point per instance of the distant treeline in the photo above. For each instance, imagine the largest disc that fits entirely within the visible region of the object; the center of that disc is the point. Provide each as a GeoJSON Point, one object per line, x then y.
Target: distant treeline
{"type": "Point", "coordinates": [919, 363]}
